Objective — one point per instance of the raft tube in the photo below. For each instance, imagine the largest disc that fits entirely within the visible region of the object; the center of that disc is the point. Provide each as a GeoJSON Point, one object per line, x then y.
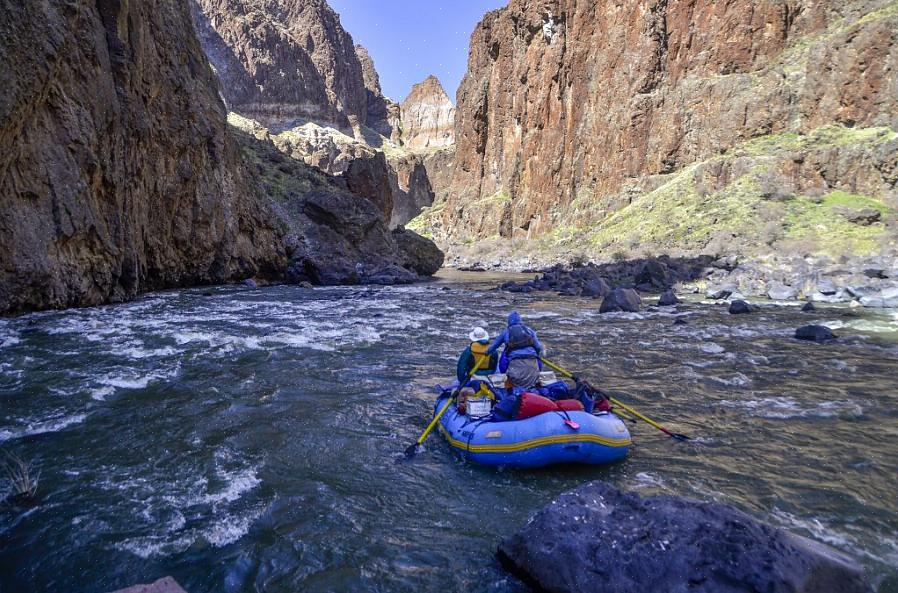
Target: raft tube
{"type": "Point", "coordinates": [538, 441]}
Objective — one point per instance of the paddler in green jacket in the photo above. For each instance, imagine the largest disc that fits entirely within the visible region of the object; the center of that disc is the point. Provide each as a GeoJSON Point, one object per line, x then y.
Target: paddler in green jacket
{"type": "Point", "coordinates": [476, 351]}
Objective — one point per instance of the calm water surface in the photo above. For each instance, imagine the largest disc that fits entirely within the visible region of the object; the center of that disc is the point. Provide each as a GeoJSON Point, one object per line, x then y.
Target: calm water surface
{"type": "Point", "coordinates": [247, 440]}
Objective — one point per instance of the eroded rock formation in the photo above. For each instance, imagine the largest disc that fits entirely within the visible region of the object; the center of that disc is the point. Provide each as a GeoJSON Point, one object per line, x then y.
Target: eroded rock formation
{"type": "Point", "coordinates": [428, 117]}
{"type": "Point", "coordinates": [280, 61]}
{"type": "Point", "coordinates": [698, 125]}
{"type": "Point", "coordinates": [117, 174]}
{"type": "Point", "coordinates": [384, 116]}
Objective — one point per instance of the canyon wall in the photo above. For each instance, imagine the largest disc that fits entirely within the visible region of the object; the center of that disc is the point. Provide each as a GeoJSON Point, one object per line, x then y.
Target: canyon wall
{"type": "Point", "coordinates": [117, 173]}
{"type": "Point", "coordinates": [293, 70]}
{"type": "Point", "coordinates": [579, 121]}
{"type": "Point", "coordinates": [281, 61]}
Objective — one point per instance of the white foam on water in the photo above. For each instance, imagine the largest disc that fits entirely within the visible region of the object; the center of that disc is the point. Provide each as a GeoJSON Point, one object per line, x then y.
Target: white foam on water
{"type": "Point", "coordinates": [737, 380]}
{"type": "Point", "coordinates": [139, 353]}
{"type": "Point", "coordinates": [700, 364]}
{"type": "Point", "coordinates": [756, 359]}
{"type": "Point", "coordinates": [54, 424]}
{"type": "Point", "coordinates": [154, 546]}
{"type": "Point", "coordinates": [782, 408]}
{"type": "Point", "coordinates": [648, 480]}
{"type": "Point", "coordinates": [712, 348]}
{"type": "Point", "coordinates": [230, 529]}
{"type": "Point", "coordinates": [100, 394]}
{"type": "Point", "coordinates": [9, 340]}
{"type": "Point", "coordinates": [841, 365]}
{"type": "Point", "coordinates": [238, 484]}
{"type": "Point", "coordinates": [844, 541]}
{"type": "Point", "coordinates": [137, 380]}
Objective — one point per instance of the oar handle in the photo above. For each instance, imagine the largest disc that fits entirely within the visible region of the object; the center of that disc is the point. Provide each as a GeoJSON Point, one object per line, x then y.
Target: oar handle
{"type": "Point", "coordinates": [645, 419]}
{"type": "Point", "coordinates": [436, 419]}
{"type": "Point", "coordinates": [621, 405]}
{"type": "Point", "coordinates": [448, 403]}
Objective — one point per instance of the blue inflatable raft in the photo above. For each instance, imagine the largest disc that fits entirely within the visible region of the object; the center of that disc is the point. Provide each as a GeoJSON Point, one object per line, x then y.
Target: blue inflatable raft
{"type": "Point", "coordinates": [538, 441]}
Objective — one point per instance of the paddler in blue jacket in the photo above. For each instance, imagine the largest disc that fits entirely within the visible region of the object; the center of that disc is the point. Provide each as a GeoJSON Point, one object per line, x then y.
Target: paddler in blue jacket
{"type": "Point", "coordinates": [522, 348]}
{"type": "Point", "coordinates": [476, 352]}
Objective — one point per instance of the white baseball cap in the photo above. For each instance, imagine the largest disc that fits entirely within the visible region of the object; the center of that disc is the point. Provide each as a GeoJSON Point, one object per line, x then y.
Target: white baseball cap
{"type": "Point", "coordinates": [478, 334]}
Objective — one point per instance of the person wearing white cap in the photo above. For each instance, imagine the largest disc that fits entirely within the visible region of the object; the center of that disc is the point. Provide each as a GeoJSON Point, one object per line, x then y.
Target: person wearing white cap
{"type": "Point", "coordinates": [476, 352]}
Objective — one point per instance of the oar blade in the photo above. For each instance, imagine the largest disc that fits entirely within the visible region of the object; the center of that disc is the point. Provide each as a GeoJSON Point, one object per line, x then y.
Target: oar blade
{"type": "Point", "coordinates": [413, 450]}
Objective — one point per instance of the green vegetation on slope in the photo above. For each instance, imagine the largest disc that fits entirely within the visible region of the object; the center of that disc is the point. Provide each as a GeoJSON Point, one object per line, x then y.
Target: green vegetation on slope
{"type": "Point", "coordinates": [753, 212]}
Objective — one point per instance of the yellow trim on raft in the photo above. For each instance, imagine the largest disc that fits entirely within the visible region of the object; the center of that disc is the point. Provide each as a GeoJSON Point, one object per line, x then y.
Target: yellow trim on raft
{"type": "Point", "coordinates": [533, 443]}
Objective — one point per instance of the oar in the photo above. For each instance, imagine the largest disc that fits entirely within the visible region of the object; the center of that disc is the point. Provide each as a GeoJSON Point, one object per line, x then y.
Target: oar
{"type": "Point", "coordinates": [412, 449]}
{"type": "Point", "coordinates": [646, 419]}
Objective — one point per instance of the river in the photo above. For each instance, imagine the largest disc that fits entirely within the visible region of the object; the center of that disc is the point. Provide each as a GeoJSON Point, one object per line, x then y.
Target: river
{"type": "Point", "coordinates": [247, 440]}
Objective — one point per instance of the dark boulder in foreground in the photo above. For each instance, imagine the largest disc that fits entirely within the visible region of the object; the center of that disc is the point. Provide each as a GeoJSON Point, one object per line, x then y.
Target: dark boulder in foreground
{"type": "Point", "coordinates": [808, 307]}
{"type": "Point", "coordinates": [815, 333]}
{"type": "Point", "coordinates": [597, 538]}
{"type": "Point", "coordinates": [621, 299]}
{"type": "Point", "coordinates": [164, 585]}
{"type": "Point", "coordinates": [739, 307]}
{"type": "Point", "coordinates": [668, 299]}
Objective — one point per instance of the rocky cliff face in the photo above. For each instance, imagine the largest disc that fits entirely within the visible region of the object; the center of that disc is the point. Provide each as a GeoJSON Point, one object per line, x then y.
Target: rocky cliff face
{"type": "Point", "coordinates": [696, 124]}
{"type": "Point", "coordinates": [280, 61]}
{"type": "Point", "coordinates": [428, 117]}
{"type": "Point", "coordinates": [296, 79]}
{"type": "Point", "coordinates": [383, 115]}
{"type": "Point", "coordinates": [117, 174]}
{"type": "Point", "coordinates": [337, 234]}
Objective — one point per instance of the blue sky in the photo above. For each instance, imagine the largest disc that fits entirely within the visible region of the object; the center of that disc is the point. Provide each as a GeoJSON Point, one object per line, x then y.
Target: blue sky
{"type": "Point", "coordinates": [410, 39]}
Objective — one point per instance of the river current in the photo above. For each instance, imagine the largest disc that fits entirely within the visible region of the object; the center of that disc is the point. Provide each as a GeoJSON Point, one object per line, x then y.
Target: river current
{"type": "Point", "coordinates": [247, 440]}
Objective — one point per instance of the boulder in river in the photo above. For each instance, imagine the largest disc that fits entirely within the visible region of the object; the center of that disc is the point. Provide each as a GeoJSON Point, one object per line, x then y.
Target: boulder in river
{"type": "Point", "coordinates": [163, 585]}
{"type": "Point", "coordinates": [887, 297]}
{"type": "Point", "coordinates": [595, 288]}
{"type": "Point", "coordinates": [809, 307]}
{"type": "Point", "coordinates": [668, 299]}
{"type": "Point", "coordinates": [722, 292]}
{"type": "Point", "coordinates": [621, 299]}
{"type": "Point", "coordinates": [740, 307]}
{"type": "Point", "coordinates": [597, 538]}
{"type": "Point", "coordinates": [815, 333]}
{"type": "Point", "coordinates": [778, 291]}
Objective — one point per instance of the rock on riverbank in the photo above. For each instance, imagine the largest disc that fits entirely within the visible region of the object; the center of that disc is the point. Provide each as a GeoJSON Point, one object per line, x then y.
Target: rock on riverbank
{"type": "Point", "coordinates": [870, 282]}
{"type": "Point", "coordinates": [597, 538]}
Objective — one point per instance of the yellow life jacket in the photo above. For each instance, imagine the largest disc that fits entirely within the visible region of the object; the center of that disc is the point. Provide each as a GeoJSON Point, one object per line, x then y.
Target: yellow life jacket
{"type": "Point", "coordinates": [478, 354]}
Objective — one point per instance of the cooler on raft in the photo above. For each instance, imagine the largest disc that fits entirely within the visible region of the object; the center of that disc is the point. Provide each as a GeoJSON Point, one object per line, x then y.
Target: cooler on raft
{"type": "Point", "coordinates": [537, 441]}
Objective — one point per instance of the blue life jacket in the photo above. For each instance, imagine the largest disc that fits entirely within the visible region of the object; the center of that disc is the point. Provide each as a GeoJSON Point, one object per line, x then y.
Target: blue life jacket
{"type": "Point", "coordinates": [519, 337]}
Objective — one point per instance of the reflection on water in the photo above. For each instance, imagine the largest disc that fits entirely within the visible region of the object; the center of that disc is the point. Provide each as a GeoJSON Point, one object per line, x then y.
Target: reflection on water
{"type": "Point", "coordinates": [247, 440]}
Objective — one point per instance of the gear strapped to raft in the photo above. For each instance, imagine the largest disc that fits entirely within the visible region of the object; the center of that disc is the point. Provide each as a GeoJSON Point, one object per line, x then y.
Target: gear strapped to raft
{"type": "Point", "coordinates": [482, 400]}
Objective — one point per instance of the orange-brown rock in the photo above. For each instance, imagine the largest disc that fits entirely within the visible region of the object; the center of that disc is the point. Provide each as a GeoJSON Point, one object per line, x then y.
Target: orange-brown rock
{"type": "Point", "coordinates": [577, 100]}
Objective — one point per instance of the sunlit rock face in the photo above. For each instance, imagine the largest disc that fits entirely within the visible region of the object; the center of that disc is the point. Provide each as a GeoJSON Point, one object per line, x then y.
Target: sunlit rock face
{"type": "Point", "coordinates": [280, 61]}
{"type": "Point", "coordinates": [428, 117]}
{"type": "Point", "coordinates": [574, 110]}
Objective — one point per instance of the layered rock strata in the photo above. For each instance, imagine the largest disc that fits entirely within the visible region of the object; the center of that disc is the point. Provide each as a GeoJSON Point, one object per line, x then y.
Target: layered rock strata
{"type": "Point", "coordinates": [117, 173]}
{"type": "Point", "coordinates": [280, 61]}
{"type": "Point", "coordinates": [297, 80]}
{"type": "Point", "coordinates": [597, 127]}
{"type": "Point", "coordinates": [428, 116]}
